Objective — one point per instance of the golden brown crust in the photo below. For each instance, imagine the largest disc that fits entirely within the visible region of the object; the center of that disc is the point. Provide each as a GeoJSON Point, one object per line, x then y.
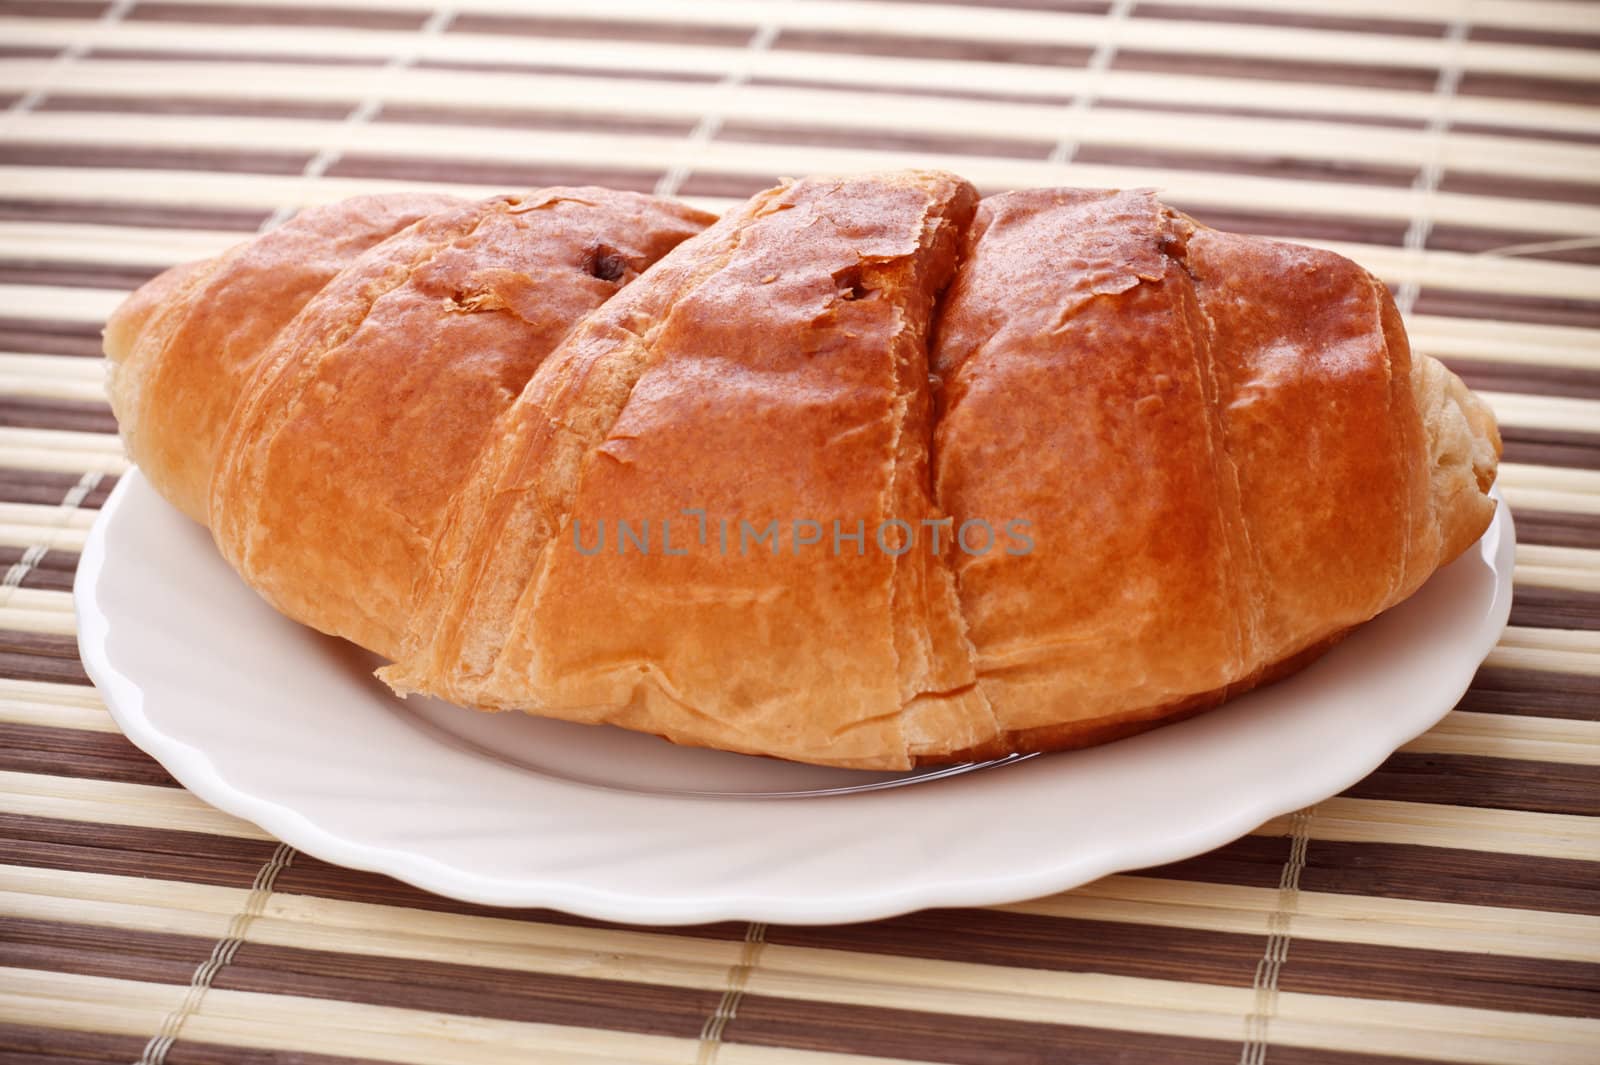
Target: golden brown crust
{"type": "Point", "coordinates": [184, 346]}
{"type": "Point", "coordinates": [342, 463]}
{"type": "Point", "coordinates": [1200, 458]}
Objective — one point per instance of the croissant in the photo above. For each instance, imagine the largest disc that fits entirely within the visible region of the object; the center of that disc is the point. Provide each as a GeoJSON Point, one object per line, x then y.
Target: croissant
{"type": "Point", "coordinates": [868, 472]}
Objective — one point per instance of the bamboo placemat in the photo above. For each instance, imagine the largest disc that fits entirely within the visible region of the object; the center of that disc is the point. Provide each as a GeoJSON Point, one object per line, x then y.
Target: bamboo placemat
{"type": "Point", "coordinates": [1447, 909]}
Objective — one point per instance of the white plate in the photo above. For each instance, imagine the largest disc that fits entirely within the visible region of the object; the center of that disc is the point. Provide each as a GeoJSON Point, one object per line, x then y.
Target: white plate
{"type": "Point", "coordinates": [287, 728]}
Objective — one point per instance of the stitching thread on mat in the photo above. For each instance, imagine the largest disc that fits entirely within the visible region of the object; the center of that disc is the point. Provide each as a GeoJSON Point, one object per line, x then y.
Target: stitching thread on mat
{"type": "Point", "coordinates": [366, 110]}
{"type": "Point", "coordinates": [66, 58]}
{"type": "Point", "coordinates": [1094, 74]}
{"type": "Point", "coordinates": [155, 1051]}
{"type": "Point", "coordinates": [1256, 1023]}
{"type": "Point", "coordinates": [755, 938]}
{"type": "Point", "coordinates": [35, 553]}
{"type": "Point", "coordinates": [1428, 178]}
{"type": "Point", "coordinates": [710, 123]}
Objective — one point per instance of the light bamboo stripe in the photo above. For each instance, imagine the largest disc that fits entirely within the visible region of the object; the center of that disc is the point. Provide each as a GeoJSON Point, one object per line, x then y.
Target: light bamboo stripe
{"type": "Point", "coordinates": [1575, 568]}
{"type": "Point", "coordinates": [835, 108]}
{"type": "Point", "coordinates": [1542, 14]}
{"type": "Point", "coordinates": [1540, 739]}
{"type": "Point", "coordinates": [1477, 339]}
{"type": "Point", "coordinates": [18, 450]}
{"type": "Point", "coordinates": [37, 610]}
{"type": "Point", "coordinates": [1545, 412]}
{"type": "Point", "coordinates": [52, 377]}
{"type": "Point", "coordinates": [717, 62]}
{"type": "Point", "coordinates": [35, 386]}
{"type": "Point", "coordinates": [32, 702]}
{"type": "Point", "coordinates": [120, 245]}
{"type": "Point", "coordinates": [110, 802]}
{"type": "Point", "coordinates": [1586, 642]}
{"type": "Point", "coordinates": [45, 516]}
{"type": "Point", "coordinates": [65, 539]}
{"type": "Point", "coordinates": [27, 524]}
{"type": "Point", "coordinates": [1327, 916]}
{"type": "Point", "coordinates": [1550, 488]}
{"type": "Point", "coordinates": [57, 303]}
{"type": "Point", "coordinates": [26, 364]}
{"type": "Point", "coordinates": [1463, 828]}
{"type": "Point", "coordinates": [958, 23]}
{"type": "Point", "coordinates": [1476, 273]}
{"type": "Point", "coordinates": [1543, 659]}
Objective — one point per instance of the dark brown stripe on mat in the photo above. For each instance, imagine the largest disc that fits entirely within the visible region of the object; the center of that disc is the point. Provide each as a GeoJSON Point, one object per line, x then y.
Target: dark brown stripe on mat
{"type": "Point", "coordinates": [75, 275]}
{"type": "Point", "coordinates": [1450, 874]}
{"type": "Point", "coordinates": [22, 52]}
{"type": "Point", "coordinates": [1539, 38]}
{"type": "Point", "coordinates": [601, 29]}
{"type": "Point", "coordinates": [1251, 861]}
{"type": "Point", "coordinates": [1476, 240]}
{"type": "Point", "coordinates": [52, 573]}
{"type": "Point", "coordinates": [529, 118]}
{"type": "Point", "coordinates": [1551, 447]}
{"type": "Point", "coordinates": [470, 990]}
{"type": "Point", "coordinates": [1057, 944]}
{"type": "Point", "coordinates": [22, 1044]}
{"type": "Point", "coordinates": [1521, 188]}
{"type": "Point", "coordinates": [608, 73]}
{"type": "Point", "coordinates": [52, 9]}
{"type": "Point", "coordinates": [1539, 310]}
{"type": "Point", "coordinates": [1076, 7]}
{"type": "Point", "coordinates": [26, 412]}
{"type": "Point", "coordinates": [1523, 87]}
{"type": "Point", "coordinates": [1417, 79]}
{"type": "Point", "coordinates": [31, 1045]}
{"type": "Point", "coordinates": [1534, 133]}
{"type": "Point", "coordinates": [225, 160]}
{"type": "Point", "coordinates": [223, 14]}
{"type": "Point", "coordinates": [111, 213]}
{"type": "Point", "coordinates": [1295, 20]}
{"type": "Point", "coordinates": [884, 140]}
{"type": "Point", "coordinates": [1264, 165]}
{"type": "Point", "coordinates": [1298, 114]}
{"type": "Point", "coordinates": [176, 55]}
{"type": "Point", "coordinates": [1571, 381]}
{"type": "Point", "coordinates": [1483, 782]}
{"type": "Point", "coordinates": [507, 175]}
{"type": "Point", "coordinates": [738, 185]}
{"type": "Point", "coordinates": [37, 337]}
{"type": "Point", "coordinates": [90, 950]}
{"type": "Point", "coordinates": [120, 850]}
{"type": "Point", "coordinates": [50, 487]}
{"type": "Point", "coordinates": [1555, 608]}
{"type": "Point", "coordinates": [79, 753]}
{"type": "Point", "coordinates": [1558, 528]}
{"type": "Point", "coordinates": [1533, 693]}
{"type": "Point", "coordinates": [184, 105]}
{"type": "Point", "coordinates": [40, 656]}
{"type": "Point", "coordinates": [1443, 977]}
{"type": "Point", "coordinates": [1295, 226]}
{"type": "Point", "coordinates": [831, 42]}
{"type": "Point", "coordinates": [841, 1028]}
{"type": "Point", "coordinates": [933, 92]}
